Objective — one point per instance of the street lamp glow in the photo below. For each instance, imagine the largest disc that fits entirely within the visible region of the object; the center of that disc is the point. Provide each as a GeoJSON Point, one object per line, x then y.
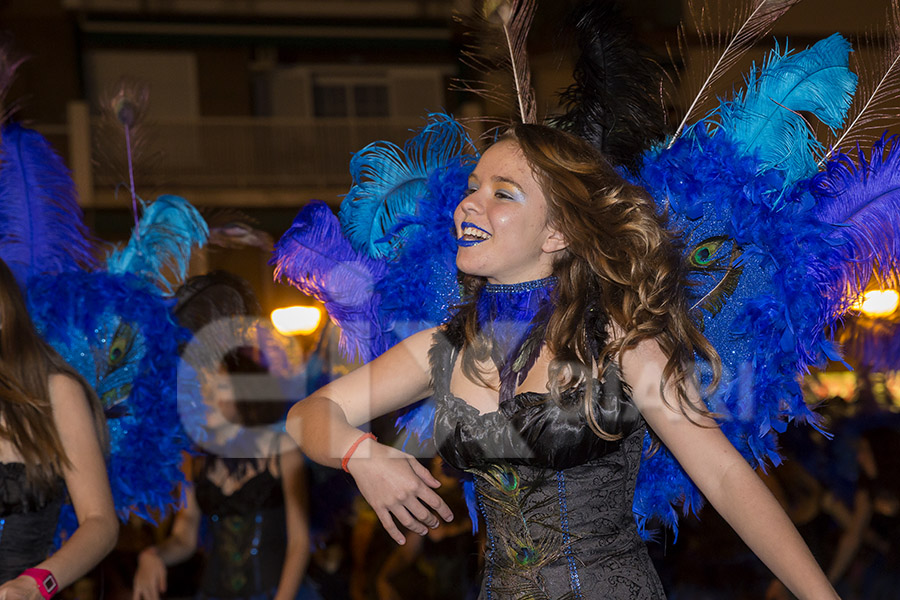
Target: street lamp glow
{"type": "Point", "coordinates": [296, 320]}
{"type": "Point", "coordinates": [878, 303]}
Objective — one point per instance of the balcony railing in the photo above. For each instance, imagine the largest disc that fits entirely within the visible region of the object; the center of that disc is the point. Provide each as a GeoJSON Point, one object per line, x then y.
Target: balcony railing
{"type": "Point", "coordinates": [276, 8]}
{"type": "Point", "coordinates": [257, 152]}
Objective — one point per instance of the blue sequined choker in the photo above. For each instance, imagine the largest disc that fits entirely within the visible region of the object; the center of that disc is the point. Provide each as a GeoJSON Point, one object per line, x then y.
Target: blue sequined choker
{"type": "Point", "coordinates": [525, 286]}
{"type": "Point", "coordinates": [514, 316]}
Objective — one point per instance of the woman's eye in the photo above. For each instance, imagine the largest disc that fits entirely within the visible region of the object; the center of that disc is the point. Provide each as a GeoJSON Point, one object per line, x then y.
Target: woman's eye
{"type": "Point", "coordinates": [503, 195]}
{"type": "Point", "coordinates": [470, 191]}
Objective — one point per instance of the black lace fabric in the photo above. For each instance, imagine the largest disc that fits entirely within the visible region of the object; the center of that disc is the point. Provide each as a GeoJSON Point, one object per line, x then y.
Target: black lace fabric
{"type": "Point", "coordinates": [27, 521]}
{"type": "Point", "coordinates": [246, 535]}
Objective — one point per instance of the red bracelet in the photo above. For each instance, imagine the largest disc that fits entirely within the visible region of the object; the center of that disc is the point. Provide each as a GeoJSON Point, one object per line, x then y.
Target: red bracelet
{"type": "Point", "coordinates": [46, 582]}
{"type": "Point", "coordinates": [353, 448]}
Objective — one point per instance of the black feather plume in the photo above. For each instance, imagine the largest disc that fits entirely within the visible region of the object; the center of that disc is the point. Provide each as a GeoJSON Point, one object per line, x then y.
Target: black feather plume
{"type": "Point", "coordinates": [616, 102]}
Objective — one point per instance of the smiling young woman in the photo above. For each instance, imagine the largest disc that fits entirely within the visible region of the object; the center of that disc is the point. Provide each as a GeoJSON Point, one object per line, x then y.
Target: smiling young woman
{"type": "Point", "coordinates": [574, 340]}
{"type": "Point", "coordinates": [502, 229]}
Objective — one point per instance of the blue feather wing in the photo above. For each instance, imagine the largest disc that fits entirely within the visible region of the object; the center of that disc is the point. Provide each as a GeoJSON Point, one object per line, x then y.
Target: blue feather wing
{"type": "Point", "coordinates": [41, 224]}
{"type": "Point", "coordinates": [160, 246]}
{"type": "Point", "coordinates": [757, 295]}
{"type": "Point", "coordinates": [117, 331]}
{"type": "Point", "coordinates": [315, 257]}
{"type": "Point", "coordinates": [766, 119]}
{"type": "Point", "coordinates": [388, 184]}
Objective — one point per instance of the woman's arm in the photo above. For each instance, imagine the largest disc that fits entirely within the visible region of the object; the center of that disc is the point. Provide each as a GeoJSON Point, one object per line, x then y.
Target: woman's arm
{"type": "Point", "coordinates": [724, 477]}
{"type": "Point", "coordinates": [325, 427]}
{"type": "Point", "coordinates": [88, 488]}
{"type": "Point", "coordinates": [296, 512]}
{"type": "Point", "coordinates": [150, 578]}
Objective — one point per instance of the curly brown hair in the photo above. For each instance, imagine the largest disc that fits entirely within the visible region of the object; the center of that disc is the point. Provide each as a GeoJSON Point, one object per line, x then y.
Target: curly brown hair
{"type": "Point", "coordinates": [621, 251]}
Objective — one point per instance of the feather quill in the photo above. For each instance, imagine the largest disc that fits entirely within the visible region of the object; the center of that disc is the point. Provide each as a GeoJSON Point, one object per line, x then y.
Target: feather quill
{"type": "Point", "coordinates": [41, 225]}
{"type": "Point", "coordinates": [875, 107]}
{"type": "Point", "coordinates": [755, 20]}
{"type": "Point", "coordinates": [389, 183]}
{"type": "Point", "coordinates": [615, 102]}
{"type": "Point", "coordinates": [496, 41]}
{"type": "Point", "coordinates": [9, 64]}
{"type": "Point", "coordinates": [160, 246]}
{"type": "Point", "coordinates": [766, 119]}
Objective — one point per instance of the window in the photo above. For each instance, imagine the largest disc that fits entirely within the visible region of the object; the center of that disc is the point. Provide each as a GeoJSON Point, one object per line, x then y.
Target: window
{"type": "Point", "coordinates": [345, 98]}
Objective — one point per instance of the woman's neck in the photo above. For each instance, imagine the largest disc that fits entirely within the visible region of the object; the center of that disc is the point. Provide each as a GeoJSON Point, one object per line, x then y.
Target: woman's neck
{"type": "Point", "coordinates": [514, 318]}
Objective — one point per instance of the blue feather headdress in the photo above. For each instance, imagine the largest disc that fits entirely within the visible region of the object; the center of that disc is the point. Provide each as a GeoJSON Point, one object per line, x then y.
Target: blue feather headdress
{"type": "Point", "coordinates": [770, 243]}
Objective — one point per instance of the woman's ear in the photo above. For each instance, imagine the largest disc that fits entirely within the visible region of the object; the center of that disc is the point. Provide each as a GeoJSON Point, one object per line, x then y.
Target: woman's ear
{"type": "Point", "coordinates": [554, 242]}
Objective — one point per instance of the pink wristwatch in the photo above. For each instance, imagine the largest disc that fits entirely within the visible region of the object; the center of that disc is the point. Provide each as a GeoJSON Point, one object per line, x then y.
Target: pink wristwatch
{"type": "Point", "coordinates": [46, 582]}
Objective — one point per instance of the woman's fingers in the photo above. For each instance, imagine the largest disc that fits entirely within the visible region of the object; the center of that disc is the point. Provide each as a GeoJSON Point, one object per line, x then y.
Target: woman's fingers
{"type": "Point", "coordinates": [437, 504]}
{"type": "Point", "coordinates": [387, 521]}
{"type": "Point", "coordinates": [423, 473]}
{"type": "Point", "coordinates": [399, 489]}
{"type": "Point", "coordinates": [422, 515]}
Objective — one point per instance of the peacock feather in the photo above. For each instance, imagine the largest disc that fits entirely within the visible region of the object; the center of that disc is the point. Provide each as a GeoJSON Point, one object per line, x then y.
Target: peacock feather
{"type": "Point", "coordinates": [525, 536]}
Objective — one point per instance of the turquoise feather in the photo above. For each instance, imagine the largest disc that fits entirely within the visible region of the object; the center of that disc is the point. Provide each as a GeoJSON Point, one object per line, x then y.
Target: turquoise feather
{"type": "Point", "coordinates": [765, 120]}
{"type": "Point", "coordinates": [160, 246]}
{"type": "Point", "coordinates": [389, 182]}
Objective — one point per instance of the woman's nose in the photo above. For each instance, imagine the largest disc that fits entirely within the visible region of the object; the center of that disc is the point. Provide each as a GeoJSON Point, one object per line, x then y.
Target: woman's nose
{"type": "Point", "coordinates": [471, 203]}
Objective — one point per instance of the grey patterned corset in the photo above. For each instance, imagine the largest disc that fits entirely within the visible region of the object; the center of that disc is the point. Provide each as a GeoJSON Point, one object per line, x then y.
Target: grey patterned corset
{"type": "Point", "coordinates": [556, 498]}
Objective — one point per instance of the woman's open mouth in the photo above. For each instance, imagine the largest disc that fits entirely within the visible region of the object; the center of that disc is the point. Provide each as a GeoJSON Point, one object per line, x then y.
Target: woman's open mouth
{"type": "Point", "coordinates": [471, 234]}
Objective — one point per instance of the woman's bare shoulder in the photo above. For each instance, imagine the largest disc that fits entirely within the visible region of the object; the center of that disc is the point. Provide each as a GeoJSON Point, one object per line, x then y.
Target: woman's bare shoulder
{"type": "Point", "coordinates": [63, 385]}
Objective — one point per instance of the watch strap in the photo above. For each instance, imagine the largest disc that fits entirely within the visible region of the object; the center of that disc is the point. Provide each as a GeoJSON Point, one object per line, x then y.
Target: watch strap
{"type": "Point", "coordinates": [46, 582]}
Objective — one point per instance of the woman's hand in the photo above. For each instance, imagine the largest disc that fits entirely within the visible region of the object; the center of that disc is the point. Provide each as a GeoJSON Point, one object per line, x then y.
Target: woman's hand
{"type": "Point", "coordinates": [20, 588]}
{"type": "Point", "coordinates": [397, 486]}
{"type": "Point", "coordinates": [150, 577]}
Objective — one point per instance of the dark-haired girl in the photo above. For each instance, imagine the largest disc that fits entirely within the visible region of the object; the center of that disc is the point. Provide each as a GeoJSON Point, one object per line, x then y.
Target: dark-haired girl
{"type": "Point", "coordinates": [52, 435]}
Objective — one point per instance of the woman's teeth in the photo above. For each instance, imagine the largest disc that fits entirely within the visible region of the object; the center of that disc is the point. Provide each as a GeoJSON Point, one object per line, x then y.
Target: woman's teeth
{"type": "Point", "coordinates": [471, 235]}
{"type": "Point", "coordinates": [475, 232]}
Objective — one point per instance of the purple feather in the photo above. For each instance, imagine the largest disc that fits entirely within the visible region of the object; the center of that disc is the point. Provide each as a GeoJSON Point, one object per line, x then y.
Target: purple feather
{"type": "Point", "coordinates": [862, 201]}
{"type": "Point", "coordinates": [41, 225]}
{"type": "Point", "coordinates": [314, 256]}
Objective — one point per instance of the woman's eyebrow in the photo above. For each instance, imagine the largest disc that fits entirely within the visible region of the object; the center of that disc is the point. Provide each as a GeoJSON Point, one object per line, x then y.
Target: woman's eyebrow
{"type": "Point", "coordinates": [501, 179]}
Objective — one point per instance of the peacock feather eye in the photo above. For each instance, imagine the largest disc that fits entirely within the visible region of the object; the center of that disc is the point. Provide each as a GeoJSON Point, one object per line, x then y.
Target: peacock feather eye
{"type": "Point", "coordinates": [704, 254]}
{"type": "Point", "coordinates": [509, 480]}
{"type": "Point", "coordinates": [712, 257]}
{"type": "Point", "coordinates": [121, 344]}
{"type": "Point", "coordinates": [526, 556]}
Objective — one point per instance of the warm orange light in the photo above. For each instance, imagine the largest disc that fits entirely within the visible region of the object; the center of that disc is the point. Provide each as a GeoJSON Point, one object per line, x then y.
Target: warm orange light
{"type": "Point", "coordinates": [877, 303]}
{"type": "Point", "coordinates": [296, 320]}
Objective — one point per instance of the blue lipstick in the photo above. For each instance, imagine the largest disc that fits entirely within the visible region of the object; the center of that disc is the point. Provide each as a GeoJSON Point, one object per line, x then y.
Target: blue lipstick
{"type": "Point", "coordinates": [467, 243]}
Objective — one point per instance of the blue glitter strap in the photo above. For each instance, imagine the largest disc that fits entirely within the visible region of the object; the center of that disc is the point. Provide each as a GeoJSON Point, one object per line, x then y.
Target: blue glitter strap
{"type": "Point", "coordinates": [562, 496]}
